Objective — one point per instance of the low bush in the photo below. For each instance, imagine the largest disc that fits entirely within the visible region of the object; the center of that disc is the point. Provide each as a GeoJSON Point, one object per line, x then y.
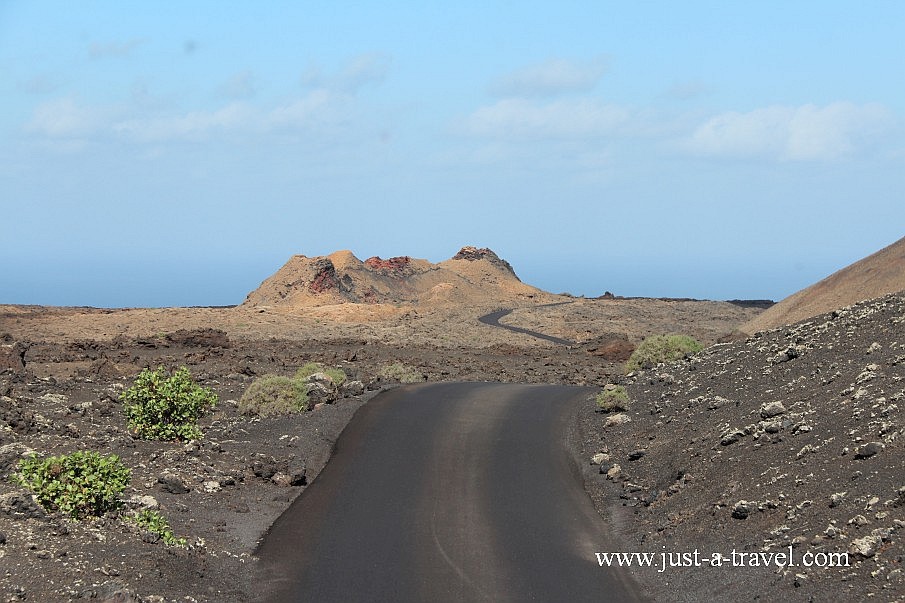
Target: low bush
{"type": "Point", "coordinates": [613, 398]}
{"type": "Point", "coordinates": [337, 374]}
{"type": "Point", "coordinates": [401, 372]}
{"type": "Point", "coordinates": [160, 406]}
{"type": "Point", "coordinates": [274, 394]}
{"type": "Point", "coordinates": [81, 484]}
{"type": "Point", "coordinates": [155, 523]}
{"type": "Point", "coordinates": [661, 348]}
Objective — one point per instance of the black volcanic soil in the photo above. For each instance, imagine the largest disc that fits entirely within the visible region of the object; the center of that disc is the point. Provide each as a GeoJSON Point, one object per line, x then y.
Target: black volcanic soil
{"type": "Point", "coordinates": [792, 438]}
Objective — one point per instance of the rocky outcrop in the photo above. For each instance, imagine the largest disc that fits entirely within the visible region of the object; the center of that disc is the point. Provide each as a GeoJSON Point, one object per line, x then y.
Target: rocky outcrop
{"type": "Point", "coordinates": [325, 278]}
{"type": "Point", "coordinates": [12, 358]}
{"type": "Point", "coordinates": [474, 254]}
{"type": "Point", "coordinates": [397, 267]}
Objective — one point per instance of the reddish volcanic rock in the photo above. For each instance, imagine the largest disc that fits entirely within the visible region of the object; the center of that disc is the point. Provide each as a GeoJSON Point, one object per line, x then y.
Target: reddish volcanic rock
{"type": "Point", "coordinates": [325, 277]}
{"type": "Point", "coordinates": [399, 267]}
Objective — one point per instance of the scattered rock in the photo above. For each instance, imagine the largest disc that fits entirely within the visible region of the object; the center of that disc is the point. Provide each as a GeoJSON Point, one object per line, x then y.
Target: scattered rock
{"type": "Point", "coordinates": [717, 402]}
{"type": "Point", "coordinates": [110, 593]}
{"type": "Point", "coordinates": [837, 498]}
{"type": "Point", "coordinates": [790, 353]}
{"type": "Point", "coordinates": [599, 458]}
{"type": "Point", "coordinates": [742, 509]}
{"type": "Point", "coordinates": [172, 484]}
{"type": "Point", "coordinates": [731, 437]}
{"type": "Point", "coordinates": [772, 409]}
{"type": "Point", "coordinates": [613, 473]}
{"type": "Point", "coordinates": [634, 455]}
{"type": "Point", "coordinates": [615, 420]}
{"type": "Point", "coordinates": [142, 502]}
{"type": "Point", "coordinates": [866, 547]}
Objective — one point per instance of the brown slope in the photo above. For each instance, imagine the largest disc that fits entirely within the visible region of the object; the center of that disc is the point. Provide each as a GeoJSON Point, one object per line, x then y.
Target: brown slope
{"type": "Point", "coordinates": [473, 276]}
{"type": "Point", "coordinates": [874, 276]}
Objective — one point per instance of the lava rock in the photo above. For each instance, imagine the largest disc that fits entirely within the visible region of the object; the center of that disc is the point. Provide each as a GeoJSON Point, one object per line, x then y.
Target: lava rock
{"type": "Point", "coordinates": [772, 409]}
{"type": "Point", "coordinates": [868, 450]}
{"type": "Point", "coordinates": [634, 455]}
{"type": "Point", "coordinates": [172, 484]}
{"type": "Point", "coordinates": [742, 509]}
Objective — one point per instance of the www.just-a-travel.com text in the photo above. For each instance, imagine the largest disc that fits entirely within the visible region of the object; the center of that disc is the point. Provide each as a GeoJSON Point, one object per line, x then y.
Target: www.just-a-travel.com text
{"type": "Point", "coordinates": [667, 560]}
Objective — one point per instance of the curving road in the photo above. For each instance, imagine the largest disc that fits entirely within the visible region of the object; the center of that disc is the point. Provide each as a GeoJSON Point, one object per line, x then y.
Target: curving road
{"type": "Point", "coordinates": [446, 492]}
{"type": "Point", "coordinates": [493, 319]}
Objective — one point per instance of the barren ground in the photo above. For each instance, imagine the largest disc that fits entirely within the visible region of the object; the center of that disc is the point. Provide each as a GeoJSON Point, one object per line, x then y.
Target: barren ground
{"type": "Point", "coordinates": [222, 492]}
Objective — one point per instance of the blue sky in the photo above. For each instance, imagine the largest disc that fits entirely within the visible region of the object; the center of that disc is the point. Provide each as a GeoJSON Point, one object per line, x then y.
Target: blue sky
{"type": "Point", "coordinates": [177, 153]}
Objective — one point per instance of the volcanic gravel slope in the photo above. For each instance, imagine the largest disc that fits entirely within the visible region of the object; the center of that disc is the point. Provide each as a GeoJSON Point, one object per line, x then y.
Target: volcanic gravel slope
{"type": "Point", "coordinates": [880, 273]}
{"type": "Point", "coordinates": [792, 438]}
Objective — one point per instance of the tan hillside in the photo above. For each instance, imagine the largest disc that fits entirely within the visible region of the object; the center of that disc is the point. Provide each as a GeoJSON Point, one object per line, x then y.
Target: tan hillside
{"type": "Point", "coordinates": [473, 276]}
{"type": "Point", "coordinates": [876, 275]}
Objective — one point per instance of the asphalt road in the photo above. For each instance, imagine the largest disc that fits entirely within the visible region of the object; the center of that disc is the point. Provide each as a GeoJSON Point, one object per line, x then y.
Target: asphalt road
{"type": "Point", "coordinates": [493, 319]}
{"type": "Point", "coordinates": [446, 492]}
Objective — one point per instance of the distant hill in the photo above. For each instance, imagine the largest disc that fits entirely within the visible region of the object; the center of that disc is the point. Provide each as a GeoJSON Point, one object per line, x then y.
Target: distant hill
{"type": "Point", "coordinates": [874, 276]}
{"type": "Point", "coordinates": [472, 276]}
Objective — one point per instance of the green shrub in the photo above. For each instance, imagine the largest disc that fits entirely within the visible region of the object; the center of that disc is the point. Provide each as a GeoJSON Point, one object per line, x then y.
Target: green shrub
{"type": "Point", "coordinates": [661, 348]}
{"type": "Point", "coordinates": [152, 521]}
{"type": "Point", "coordinates": [273, 394]}
{"type": "Point", "coordinates": [310, 368]}
{"type": "Point", "coordinates": [613, 398]}
{"type": "Point", "coordinates": [401, 372]}
{"type": "Point", "coordinates": [162, 407]}
{"type": "Point", "coordinates": [80, 484]}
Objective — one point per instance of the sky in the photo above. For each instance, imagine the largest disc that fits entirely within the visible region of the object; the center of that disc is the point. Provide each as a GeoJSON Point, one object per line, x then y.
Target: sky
{"type": "Point", "coordinates": [178, 153]}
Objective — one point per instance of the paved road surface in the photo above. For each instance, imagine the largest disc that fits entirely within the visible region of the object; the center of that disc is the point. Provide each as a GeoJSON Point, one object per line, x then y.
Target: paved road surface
{"type": "Point", "coordinates": [446, 492]}
{"type": "Point", "coordinates": [493, 319]}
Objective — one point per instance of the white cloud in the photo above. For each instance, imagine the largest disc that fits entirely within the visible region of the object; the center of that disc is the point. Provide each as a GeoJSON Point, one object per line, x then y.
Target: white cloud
{"type": "Point", "coordinates": [518, 119]}
{"type": "Point", "coordinates": [800, 133]}
{"type": "Point", "coordinates": [190, 126]}
{"type": "Point", "coordinates": [64, 118]}
{"type": "Point", "coordinates": [552, 77]}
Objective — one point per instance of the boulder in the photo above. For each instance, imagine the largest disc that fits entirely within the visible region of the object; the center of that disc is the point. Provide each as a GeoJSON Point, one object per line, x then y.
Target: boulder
{"type": "Point", "coordinates": [12, 358]}
{"type": "Point", "coordinates": [351, 389]}
{"type": "Point", "coordinates": [319, 392]}
{"type": "Point", "coordinates": [171, 483]}
{"type": "Point", "coordinates": [19, 505]}
{"type": "Point", "coordinates": [772, 409]}
{"type": "Point", "coordinates": [868, 450]}
{"type": "Point", "coordinates": [742, 509]}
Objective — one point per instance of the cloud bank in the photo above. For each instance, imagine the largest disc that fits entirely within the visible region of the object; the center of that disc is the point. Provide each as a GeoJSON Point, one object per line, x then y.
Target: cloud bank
{"type": "Point", "coordinates": [804, 133]}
